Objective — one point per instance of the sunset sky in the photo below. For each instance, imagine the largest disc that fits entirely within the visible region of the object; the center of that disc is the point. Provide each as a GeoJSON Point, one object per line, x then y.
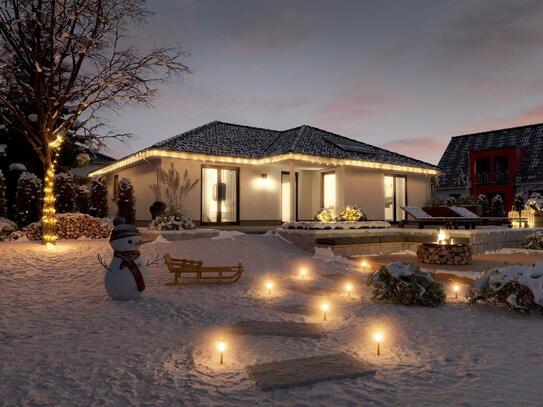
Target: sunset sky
{"type": "Point", "coordinates": [404, 75]}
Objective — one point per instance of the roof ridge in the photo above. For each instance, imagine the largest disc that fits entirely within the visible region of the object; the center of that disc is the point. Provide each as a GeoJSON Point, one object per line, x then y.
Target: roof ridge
{"type": "Point", "coordinates": [497, 130]}
{"type": "Point", "coordinates": [372, 146]}
{"type": "Point", "coordinates": [183, 133]}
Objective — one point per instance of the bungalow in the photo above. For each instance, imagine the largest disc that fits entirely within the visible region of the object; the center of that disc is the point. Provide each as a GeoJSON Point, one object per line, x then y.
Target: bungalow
{"type": "Point", "coordinates": [254, 176]}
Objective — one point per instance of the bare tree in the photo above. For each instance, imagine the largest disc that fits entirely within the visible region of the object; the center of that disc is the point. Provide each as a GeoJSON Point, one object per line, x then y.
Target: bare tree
{"type": "Point", "coordinates": [71, 59]}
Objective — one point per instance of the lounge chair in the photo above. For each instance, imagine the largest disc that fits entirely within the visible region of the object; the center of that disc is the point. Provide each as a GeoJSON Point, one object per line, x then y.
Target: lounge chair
{"type": "Point", "coordinates": [188, 271]}
{"type": "Point", "coordinates": [480, 220]}
{"type": "Point", "coordinates": [423, 218]}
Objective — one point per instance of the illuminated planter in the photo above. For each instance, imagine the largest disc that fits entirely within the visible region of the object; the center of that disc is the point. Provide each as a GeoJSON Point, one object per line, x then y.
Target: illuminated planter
{"type": "Point", "coordinates": [450, 254]}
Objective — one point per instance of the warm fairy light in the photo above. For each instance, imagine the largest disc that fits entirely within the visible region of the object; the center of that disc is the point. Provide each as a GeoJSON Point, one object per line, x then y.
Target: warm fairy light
{"type": "Point", "coordinates": [49, 220]}
{"type": "Point", "coordinates": [221, 347]}
{"type": "Point", "coordinates": [269, 286]}
{"type": "Point", "coordinates": [349, 288]}
{"type": "Point", "coordinates": [324, 307]}
{"type": "Point", "coordinates": [334, 162]}
{"type": "Point", "coordinates": [303, 273]}
{"type": "Point", "coordinates": [456, 288]}
{"type": "Point", "coordinates": [378, 336]}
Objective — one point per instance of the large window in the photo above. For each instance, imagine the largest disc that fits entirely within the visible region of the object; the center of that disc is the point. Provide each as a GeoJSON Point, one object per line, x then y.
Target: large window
{"type": "Point", "coordinates": [329, 190]}
{"type": "Point", "coordinates": [395, 197]}
{"type": "Point", "coordinates": [219, 194]}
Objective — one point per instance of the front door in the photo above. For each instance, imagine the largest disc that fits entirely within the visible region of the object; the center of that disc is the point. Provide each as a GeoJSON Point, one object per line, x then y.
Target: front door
{"type": "Point", "coordinates": [220, 195]}
{"type": "Point", "coordinates": [395, 197]}
{"type": "Point", "coordinates": [285, 196]}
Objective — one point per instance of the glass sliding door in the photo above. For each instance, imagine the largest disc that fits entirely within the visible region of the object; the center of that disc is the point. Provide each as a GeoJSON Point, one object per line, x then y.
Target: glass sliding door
{"type": "Point", "coordinates": [329, 190]}
{"type": "Point", "coordinates": [395, 197]}
{"type": "Point", "coordinates": [220, 192]}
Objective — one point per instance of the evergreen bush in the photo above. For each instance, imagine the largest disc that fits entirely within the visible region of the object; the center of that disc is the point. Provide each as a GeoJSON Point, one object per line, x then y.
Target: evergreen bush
{"type": "Point", "coordinates": [65, 192]}
{"type": "Point", "coordinates": [28, 199]}
{"type": "Point", "coordinates": [98, 198]}
{"type": "Point", "coordinates": [82, 199]}
{"type": "Point", "coordinates": [126, 201]}
{"type": "Point", "coordinates": [497, 207]}
{"type": "Point", "coordinates": [484, 203]}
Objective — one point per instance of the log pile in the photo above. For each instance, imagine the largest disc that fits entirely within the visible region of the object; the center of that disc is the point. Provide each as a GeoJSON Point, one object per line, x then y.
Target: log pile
{"type": "Point", "coordinates": [450, 254]}
{"type": "Point", "coordinates": [72, 226]}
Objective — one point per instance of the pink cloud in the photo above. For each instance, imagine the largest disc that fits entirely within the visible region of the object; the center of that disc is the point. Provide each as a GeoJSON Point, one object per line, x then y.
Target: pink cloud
{"type": "Point", "coordinates": [429, 148]}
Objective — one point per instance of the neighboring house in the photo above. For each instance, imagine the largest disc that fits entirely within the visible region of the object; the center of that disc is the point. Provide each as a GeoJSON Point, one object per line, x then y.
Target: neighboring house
{"type": "Point", "coordinates": [254, 176]}
{"type": "Point", "coordinates": [97, 160]}
{"type": "Point", "coordinates": [493, 162]}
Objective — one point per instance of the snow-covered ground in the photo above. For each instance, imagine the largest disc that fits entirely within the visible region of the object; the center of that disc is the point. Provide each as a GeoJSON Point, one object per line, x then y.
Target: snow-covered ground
{"type": "Point", "coordinates": [64, 342]}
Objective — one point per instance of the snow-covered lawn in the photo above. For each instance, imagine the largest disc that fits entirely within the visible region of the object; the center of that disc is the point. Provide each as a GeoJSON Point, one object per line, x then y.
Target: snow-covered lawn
{"type": "Point", "coordinates": [64, 342]}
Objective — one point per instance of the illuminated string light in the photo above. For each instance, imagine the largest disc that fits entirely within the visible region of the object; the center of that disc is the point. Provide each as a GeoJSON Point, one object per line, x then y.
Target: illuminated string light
{"type": "Point", "coordinates": [142, 155]}
{"type": "Point", "coordinates": [49, 220]}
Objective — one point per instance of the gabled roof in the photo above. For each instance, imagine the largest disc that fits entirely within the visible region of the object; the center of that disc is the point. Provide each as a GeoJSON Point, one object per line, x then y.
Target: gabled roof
{"type": "Point", "coordinates": [233, 140]}
{"type": "Point", "coordinates": [455, 160]}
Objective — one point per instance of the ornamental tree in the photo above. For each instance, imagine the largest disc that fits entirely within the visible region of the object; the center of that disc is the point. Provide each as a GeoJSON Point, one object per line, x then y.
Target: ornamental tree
{"type": "Point", "coordinates": [70, 60]}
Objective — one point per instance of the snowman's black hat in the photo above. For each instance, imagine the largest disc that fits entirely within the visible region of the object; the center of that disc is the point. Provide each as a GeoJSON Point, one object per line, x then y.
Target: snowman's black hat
{"type": "Point", "coordinates": [123, 231]}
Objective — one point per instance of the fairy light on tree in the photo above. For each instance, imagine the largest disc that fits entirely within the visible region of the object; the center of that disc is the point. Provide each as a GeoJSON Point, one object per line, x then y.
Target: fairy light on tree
{"type": "Point", "coordinates": [84, 64]}
{"type": "Point", "coordinates": [49, 220]}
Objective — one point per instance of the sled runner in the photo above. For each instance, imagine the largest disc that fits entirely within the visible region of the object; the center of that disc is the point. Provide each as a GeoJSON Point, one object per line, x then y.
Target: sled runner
{"type": "Point", "coordinates": [188, 271]}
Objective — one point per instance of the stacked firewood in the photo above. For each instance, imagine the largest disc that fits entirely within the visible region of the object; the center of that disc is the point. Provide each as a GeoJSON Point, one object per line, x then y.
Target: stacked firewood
{"type": "Point", "coordinates": [73, 226]}
{"type": "Point", "coordinates": [451, 254]}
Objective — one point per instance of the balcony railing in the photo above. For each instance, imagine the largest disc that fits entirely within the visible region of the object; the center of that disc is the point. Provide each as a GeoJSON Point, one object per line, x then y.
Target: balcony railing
{"type": "Point", "coordinates": [484, 178]}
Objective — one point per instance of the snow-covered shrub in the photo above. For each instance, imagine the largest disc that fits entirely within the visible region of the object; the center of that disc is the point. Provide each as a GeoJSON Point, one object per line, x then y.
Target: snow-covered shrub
{"type": "Point", "coordinates": [65, 192]}
{"type": "Point", "coordinates": [82, 198]}
{"type": "Point", "coordinates": [518, 286]}
{"type": "Point", "coordinates": [497, 207]}
{"type": "Point", "coordinates": [3, 201]}
{"type": "Point", "coordinates": [82, 159]}
{"type": "Point", "coordinates": [534, 203]}
{"type": "Point", "coordinates": [518, 204]}
{"type": "Point", "coordinates": [157, 209]}
{"type": "Point", "coordinates": [172, 220]}
{"type": "Point", "coordinates": [484, 203]}
{"type": "Point", "coordinates": [407, 284]}
{"type": "Point", "coordinates": [28, 199]}
{"type": "Point", "coordinates": [73, 226]}
{"type": "Point", "coordinates": [126, 201]}
{"type": "Point", "coordinates": [533, 241]}
{"type": "Point", "coordinates": [352, 214]}
{"type": "Point", "coordinates": [98, 200]}
{"type": "Point", "coordinates": [326, 215]}
{"type": "Point", "coordinates": [465, 200]}
{"type": "Point", "coordinates": [7, 227]}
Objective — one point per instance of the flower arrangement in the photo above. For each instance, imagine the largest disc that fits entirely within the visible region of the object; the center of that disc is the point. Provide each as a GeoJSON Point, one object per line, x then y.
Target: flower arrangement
{"type": "Point", "coordinates": [520, 287]}
{"type": "Point", "coordinates": [327, 215]}
{"type": "Point", "coordinates": [352, 214]}
{"type": "Point", "coordinates": [406, 284]}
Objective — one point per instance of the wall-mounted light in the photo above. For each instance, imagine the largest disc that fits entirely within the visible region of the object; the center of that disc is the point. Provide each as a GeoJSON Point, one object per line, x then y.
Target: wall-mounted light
{"type": "Point", "coordinates": [264, 176]}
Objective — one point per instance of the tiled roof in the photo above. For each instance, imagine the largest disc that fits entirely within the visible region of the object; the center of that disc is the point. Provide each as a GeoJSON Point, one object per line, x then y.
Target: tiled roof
{"type": "Point", "coordinates": [455, 160]}
{"type": "Point", "coordinates": [218, 138]}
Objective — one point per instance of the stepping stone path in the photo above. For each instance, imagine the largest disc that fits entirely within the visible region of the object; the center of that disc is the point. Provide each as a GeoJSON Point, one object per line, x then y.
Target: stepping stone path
{"type": "Point", "coordinates": [312, 290]}
{"type": "Point", "coordinates": [277, 328]}
{"type": "Point", "coordinates": [299, 309]}
{"type": "Point", "coordinates": [304, 371]}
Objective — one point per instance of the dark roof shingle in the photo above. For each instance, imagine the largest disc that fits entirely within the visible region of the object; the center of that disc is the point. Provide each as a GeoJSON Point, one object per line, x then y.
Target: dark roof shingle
{"type": "Point", "coordinates": [219, 138]}
{"type": "Point", "coordinates": [455, 159]}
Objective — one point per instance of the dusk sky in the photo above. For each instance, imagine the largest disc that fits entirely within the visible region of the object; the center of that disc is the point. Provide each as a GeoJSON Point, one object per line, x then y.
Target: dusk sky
{"type": "Point", "coordinates": [404, 75]}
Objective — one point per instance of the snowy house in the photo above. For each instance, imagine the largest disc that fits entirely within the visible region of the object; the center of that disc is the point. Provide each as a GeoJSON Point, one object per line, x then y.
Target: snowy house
{"type": "Point", "coordinates": [498, 162]}
{"type": "Point", "coordinates": [255, 176]}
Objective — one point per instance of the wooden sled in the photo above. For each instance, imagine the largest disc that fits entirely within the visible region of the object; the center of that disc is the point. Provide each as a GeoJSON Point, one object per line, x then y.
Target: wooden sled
{"type": "Point", "coordinates": [188, 271]}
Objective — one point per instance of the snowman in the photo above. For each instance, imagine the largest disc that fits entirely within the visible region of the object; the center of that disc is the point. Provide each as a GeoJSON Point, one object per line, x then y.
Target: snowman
{"type": "Point", "coordinates": [125, 276]}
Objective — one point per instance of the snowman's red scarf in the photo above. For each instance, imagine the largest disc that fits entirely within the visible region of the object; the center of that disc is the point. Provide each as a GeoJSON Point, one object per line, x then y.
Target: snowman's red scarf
{"type": "Point", "coordinates": [128, 258]}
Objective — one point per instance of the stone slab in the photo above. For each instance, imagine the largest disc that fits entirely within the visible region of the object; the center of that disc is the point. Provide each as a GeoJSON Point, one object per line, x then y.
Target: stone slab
{"type": "Point", "coordinates": [306, 371]}
{"type": "Point", "coordinates": [299, 309]}
{"type": "Point", "coordinates": [277, 328]}
{"type": "Point", "coordinates": [311, 290]}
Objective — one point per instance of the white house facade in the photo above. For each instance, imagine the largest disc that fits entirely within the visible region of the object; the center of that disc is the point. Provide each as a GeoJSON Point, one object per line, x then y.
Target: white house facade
{"type": "Point", "coordinates": [253, 176]}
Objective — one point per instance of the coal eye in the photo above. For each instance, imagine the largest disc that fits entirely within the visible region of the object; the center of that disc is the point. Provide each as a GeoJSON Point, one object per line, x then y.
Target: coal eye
{"type": "Point", "coordinates": [130, 241]}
